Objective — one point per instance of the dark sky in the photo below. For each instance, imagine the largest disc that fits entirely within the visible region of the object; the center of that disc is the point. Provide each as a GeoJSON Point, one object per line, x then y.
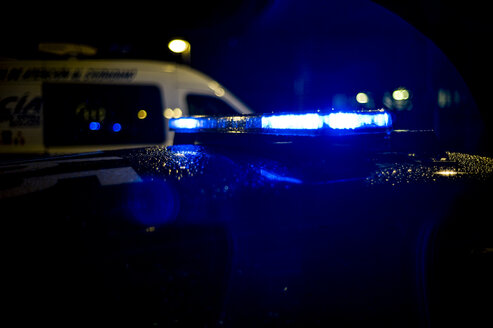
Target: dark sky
{"type": "Point", "coordinates": [308, 51]}
{"type": "Point", "coordinates": [291, 54]}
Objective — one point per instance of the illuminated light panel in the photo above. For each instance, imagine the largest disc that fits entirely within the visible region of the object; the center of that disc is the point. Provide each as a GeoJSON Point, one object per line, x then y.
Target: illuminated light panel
{"type": "Point", "coordinates": [185, 123]}
{"type": "Point", "coordinates": [293, 122]}
{"type": "Point", "coordinates": [191, 123]}
{"type": "Point", "coordinates": [356, 120]}
{"type": "Point", "coordinates": [94, 126]}
{"type": "Point", "coordinates": [311, 122]}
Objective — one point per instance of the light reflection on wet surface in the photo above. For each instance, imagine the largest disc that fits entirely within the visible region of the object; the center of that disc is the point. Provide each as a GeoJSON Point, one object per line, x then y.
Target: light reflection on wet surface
{"type": "Point", "coordinates": [451, 166]}
{"type": "Point", "coordinates": [197, 163]}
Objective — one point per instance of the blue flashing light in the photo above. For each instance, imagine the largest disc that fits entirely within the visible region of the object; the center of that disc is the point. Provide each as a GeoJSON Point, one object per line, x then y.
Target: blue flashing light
{"type": "Point", "coordinates": [187, 123]}
{"type": "Point", "coordinates": [343, 120]}
{"type": "Point", "coordinates": [293, 122]}
{"type": "Point", "coordinates": [328, 122]}
{"type": "Point", "coordinates": [94, 126]}
{"type": "Point", "coordinates": [191, 123]}
{"type": "Point", "coordinates": [117, 127]}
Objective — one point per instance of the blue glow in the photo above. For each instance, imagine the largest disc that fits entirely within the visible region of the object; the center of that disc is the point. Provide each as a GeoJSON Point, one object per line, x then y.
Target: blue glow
{"type": "Point", "coordinates": [94, 126]}
{"type": "Point", "coordinates": [151, 203]}
{"type": "Point", "coordinates": [185, 123]}
{"type": "Point", "coordinates": [276, 177]}
{"type": "Point", "coordinates": [356, 120]}
{"type": "Point", "coordinates": [117, 127]}
{"type": "Point", "coordinates": [293, 122]}
{"type": "Point", "coordinates": [342, 120]}
{"type": "Point", "coordinates": [311, 122]}
{"type": "Point", "coordinates": [382, 120]}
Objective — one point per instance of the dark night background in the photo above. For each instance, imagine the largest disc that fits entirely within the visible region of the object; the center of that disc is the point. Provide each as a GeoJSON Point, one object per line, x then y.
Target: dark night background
{"type": "Point", "coordinates": [299, 55]}
{"type": "Point", "coordinates": [290, 55]}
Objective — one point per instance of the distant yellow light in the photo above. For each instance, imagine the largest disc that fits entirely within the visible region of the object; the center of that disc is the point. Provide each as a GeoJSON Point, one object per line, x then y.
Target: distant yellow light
{"type": "Point", "coordinates": [362, 98]}
{"type": "Point", "coordinates": [177, 113]}
{"type": "Point", "coordinates": [168, 113]}
{"type": "Point", "coordinates": [141, 114]}
{"type": "Point", "coordinates": [173, 113]}
{"type": "Point", "coordinates": [178, 46]}
{"type": "Point", "coordinates": [400, 94]}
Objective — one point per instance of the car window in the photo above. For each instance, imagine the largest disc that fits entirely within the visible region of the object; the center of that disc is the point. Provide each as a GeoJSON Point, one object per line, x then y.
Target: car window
{"type": "Point", "coordinates": [88, 114]}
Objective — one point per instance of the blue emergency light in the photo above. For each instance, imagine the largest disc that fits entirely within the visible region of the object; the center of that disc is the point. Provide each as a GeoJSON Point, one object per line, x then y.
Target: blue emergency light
{"type": "Point", "coordinates": [300, 123]}
{"type": "Point", "coordinates": [94, 126]}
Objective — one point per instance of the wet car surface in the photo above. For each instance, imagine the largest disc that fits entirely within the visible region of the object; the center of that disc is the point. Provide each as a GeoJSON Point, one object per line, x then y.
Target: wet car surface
{"type": "Point", "coordinates": [212, 236]}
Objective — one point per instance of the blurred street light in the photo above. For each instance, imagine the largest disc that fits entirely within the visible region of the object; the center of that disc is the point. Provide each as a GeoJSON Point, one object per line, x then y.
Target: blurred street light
{"type": "Point", "coordinates": [400, 94]}
{"type": "Point", "coordinates": [362, 98]}
{"type": "Point", "coordinates": [179, 46]}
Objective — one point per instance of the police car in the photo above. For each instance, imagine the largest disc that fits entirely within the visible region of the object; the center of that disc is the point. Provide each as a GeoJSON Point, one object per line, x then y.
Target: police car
{"type": "Point", "coordinates": [62, 106]}
{"type": "Point", "coordinates": [289, 220]}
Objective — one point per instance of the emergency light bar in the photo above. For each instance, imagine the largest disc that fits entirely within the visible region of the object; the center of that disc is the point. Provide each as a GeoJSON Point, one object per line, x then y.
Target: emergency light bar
{"type": "Point", "coordinates": [303, 123]}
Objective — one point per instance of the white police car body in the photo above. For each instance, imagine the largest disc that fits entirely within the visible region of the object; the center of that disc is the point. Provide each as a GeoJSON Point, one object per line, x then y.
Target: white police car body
{"type": "Point", "coordinates": [62, 106]}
